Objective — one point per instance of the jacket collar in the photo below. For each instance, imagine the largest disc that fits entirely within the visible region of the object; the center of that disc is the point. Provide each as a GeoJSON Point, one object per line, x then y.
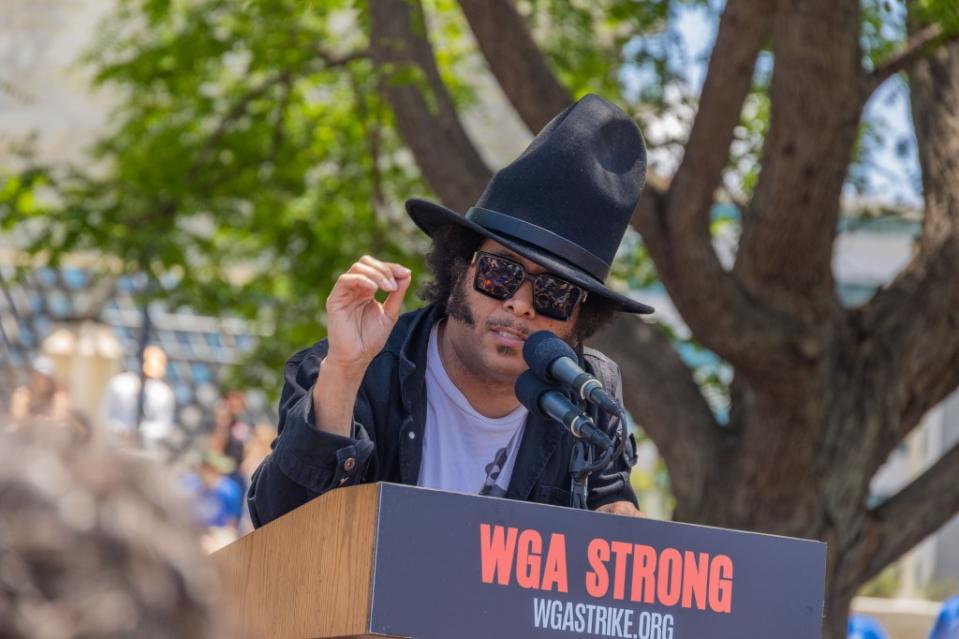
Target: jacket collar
{"type": "Point", "coordinates": [410, 346]}
{"type": "Point", "coordinates": [412, 355]}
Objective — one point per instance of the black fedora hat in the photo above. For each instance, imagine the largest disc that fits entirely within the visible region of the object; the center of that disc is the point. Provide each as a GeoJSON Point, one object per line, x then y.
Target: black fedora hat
{"type": "Point", "coordinates": [566, 201]}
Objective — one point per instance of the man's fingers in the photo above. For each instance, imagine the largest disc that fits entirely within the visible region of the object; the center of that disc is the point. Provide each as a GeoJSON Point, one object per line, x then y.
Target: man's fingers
{"type": "Point", "coordinates": [383, 278]}
{"type": "Point", "coordinates": [621, 508]}
{"type": "Point", "coordinates": [394, 301]}
{"type": "Point", "coordinates": [386, 278]}
{"type": "Point", "coordinates": [355, 281]}
{"type": "Point", "coordinates": [349, 288]}
{"type": "Point", "coordinates": [390, 271]}
{"type": "Point", "coordinates": [399, 271]}
{"type": "Point", "coordinates": [364, 278]}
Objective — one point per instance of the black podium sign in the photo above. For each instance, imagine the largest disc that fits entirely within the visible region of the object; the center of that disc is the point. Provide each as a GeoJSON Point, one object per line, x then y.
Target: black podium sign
{"type": "Point", "coordinates": [481, 567]}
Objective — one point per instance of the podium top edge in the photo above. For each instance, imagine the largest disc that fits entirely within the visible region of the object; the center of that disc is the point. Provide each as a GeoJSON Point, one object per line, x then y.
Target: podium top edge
{"type": "Point", "coordinates": [386, 487]}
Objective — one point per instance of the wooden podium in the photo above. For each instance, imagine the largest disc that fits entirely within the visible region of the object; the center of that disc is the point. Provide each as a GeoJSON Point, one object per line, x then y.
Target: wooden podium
{"type": "Point", "coordinates": [385, 560]}
{"type": "Point", "coordinates": [309, 573]}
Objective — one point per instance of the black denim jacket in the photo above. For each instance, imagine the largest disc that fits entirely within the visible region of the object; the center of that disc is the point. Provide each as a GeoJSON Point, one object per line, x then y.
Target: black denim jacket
{"type": "Point", "coordinates": [388, 422]}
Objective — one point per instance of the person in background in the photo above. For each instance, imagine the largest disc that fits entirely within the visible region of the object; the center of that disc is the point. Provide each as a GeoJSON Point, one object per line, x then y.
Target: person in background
{"type": "Point", "coordinates": [43, 401]}
{"type": "Point", "coordinates": [231, 430]}
{"type": "Point", "coordinates": [947, 623]}
{"type": "Point", "coordinates": [96, 545]}
{"type": "Point", "coordinates": [121, 404]}
{"type": "Point", "coordinates": [218, 499]}
{"type": "Point", "coordinates": [864, 627]}
{"type": "Point", "coordinates": [236, 401]}
{"type": "Point", "coordinates": [257, 448]}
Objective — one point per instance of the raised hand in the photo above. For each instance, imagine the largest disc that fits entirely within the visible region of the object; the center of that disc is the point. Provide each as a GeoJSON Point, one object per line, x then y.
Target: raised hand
{"type": "Point", "coordinates": [358, 325]}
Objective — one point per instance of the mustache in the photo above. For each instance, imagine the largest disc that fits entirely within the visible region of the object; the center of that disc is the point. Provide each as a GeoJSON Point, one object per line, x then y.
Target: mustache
{"type": "Point", "coordinates": [510, 324]}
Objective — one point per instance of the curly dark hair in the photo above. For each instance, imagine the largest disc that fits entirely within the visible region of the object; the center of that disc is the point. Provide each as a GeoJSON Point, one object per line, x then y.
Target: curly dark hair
{"type": "Point", "coordinates": [453, 247]}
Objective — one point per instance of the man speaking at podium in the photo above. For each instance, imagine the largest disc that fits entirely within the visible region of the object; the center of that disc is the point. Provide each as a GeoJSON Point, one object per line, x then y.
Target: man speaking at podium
{"type": "Point", "coordinates": [428, 398]}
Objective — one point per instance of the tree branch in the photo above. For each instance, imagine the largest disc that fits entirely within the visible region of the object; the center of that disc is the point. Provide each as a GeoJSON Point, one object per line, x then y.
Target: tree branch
{"type": "Point", "coordinates": [743, 28]}
{"type": "Point", "coordinates": [784, 258]}
{"type": "Point", "coordinates": [516, 61]}
{"type": "Point", "coordinates": [676, 228]}
{"type": "Point", "coordinates": [934, 95]}
{"type": "Point", "coordinates": [283, 78]}
{"type": "Point", "coordinates": [425, 114]}
{"type": "Point", "coordinates": [372, 134]}
{"type": "Point", "coordinates": [659, 391]}
{"type": "Point", "coordinates": [908, 517]}
{"type": "Point", "coordinates": [919, 45]}
{"type": "Point", "coordinates": [331, 61]}
{"type": "Point", "coordinates": [279, 121]}
{"type": "Point", "coordinates": [911, 327]}
{"type": "Point", "coordinates": [18, 321]}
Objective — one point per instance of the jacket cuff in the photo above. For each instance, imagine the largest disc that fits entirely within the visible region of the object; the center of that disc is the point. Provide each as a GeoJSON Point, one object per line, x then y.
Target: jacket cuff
{"type": "Point", "coordinates": [616, 487]}
{"type": "Point", "coordinates": [316, 459]}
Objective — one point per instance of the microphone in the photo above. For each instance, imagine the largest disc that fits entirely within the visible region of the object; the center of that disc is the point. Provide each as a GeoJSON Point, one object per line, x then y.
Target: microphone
{"type": "Point", "coordinates": [554, 360]}
{"type": "Point", "coordinates": [546, 400]}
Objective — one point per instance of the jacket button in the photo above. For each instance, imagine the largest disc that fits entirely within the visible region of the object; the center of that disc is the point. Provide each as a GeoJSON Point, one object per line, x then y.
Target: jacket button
{"type": "Point", "coordinates": [349, 464]}
{"type": "Point", "coordinates": [412, 435]}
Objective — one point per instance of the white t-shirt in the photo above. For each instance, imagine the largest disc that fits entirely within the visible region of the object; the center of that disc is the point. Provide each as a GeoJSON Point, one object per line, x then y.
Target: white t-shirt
{"type": "Point", "coordinates": [460, 444]}
{"type": "Point", "coordinates": [121, 401]}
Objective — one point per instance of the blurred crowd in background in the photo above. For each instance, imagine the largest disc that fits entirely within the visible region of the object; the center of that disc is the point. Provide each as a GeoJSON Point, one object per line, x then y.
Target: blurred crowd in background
{"type": "Point", "coordinates": [137, 416]}
{"type": "Point", "coordinates": [96, 542]}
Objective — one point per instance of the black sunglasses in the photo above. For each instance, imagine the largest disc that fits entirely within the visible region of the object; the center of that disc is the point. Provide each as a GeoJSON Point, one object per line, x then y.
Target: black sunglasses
{"type": "Point", "coordinates": [500, 278]}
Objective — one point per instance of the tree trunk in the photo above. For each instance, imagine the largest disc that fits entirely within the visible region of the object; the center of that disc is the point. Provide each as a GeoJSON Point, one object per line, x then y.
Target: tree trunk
{"type": "Point", "coordinates": [425, 114]}
{"type": "Point", "coordinates": [519, 66]}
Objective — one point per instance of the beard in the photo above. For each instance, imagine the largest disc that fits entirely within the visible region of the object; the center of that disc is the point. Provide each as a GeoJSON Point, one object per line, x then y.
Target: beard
{"type": "Point", "coordinates": [457, 306]}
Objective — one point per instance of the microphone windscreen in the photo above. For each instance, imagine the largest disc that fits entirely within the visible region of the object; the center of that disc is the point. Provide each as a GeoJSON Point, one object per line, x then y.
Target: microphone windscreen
{"type": "Point", "coordinates": [529, 388]}
{"type": "Point", "coordinates": [542, 348]}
